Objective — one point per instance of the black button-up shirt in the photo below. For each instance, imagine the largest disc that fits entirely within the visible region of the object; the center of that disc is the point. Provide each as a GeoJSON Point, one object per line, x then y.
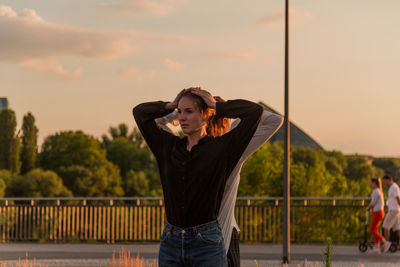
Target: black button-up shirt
{"type": "Point", "coordinates": [193, 181]}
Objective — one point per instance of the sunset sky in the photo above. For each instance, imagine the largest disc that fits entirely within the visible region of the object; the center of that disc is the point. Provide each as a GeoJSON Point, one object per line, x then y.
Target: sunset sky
{"type": "Point", "coordinates": [85, 64]}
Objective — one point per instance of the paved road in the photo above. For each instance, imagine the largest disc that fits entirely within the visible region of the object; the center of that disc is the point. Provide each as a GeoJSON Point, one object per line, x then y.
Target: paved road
{"type": "Point", "coordinates": [98, 254]}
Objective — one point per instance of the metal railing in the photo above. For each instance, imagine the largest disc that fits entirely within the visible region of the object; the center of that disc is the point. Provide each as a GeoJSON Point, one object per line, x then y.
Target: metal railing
{"type": "Point", "coordinates": [128, 219]}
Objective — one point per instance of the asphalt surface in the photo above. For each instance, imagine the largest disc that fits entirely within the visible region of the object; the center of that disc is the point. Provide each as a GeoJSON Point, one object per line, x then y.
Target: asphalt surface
{"type": "Point", "coordinates": [81, 255]}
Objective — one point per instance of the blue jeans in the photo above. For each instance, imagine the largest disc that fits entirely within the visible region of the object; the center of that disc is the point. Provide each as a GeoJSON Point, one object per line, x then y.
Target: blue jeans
{"type": "Point", "coordinates": [198, 246]}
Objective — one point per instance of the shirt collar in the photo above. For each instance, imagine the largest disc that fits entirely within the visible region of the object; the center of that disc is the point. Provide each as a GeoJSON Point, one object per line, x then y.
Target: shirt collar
{"type": "Point", "coordinates": [202, 140]}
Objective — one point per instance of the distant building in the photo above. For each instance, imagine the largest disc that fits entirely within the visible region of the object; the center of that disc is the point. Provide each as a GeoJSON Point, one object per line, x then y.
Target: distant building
{"type": "Point", "coordinates": [3, 103]}
{"type": "Point", "coordinates": [297, 136]}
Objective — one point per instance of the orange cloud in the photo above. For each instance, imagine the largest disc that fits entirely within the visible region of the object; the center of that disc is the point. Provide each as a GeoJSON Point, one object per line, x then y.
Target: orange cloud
{"type": "Point", "coordinates": [31, 42]}
{"type": "Point", "coordinates": [173, 65]}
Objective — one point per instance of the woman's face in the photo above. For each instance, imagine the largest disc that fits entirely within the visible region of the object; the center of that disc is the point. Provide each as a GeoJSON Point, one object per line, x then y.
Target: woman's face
{"type": "Point", "coordinates": [190, 117]}
{"type": "Point", "coordinates": [372, 184]}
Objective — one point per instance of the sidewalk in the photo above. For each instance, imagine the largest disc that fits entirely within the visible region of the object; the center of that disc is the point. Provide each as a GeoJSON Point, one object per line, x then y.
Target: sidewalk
{"type": "Point", "coordinates": [87, 255]}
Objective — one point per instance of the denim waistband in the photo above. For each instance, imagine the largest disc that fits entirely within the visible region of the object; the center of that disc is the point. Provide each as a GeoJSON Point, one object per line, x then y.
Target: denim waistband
{"type": "Point", "coordinates": [193, 229]}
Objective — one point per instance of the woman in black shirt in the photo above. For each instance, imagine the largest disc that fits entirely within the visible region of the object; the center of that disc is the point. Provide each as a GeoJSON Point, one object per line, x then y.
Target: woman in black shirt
{"type": "Point", "coordinates": [193, 172]}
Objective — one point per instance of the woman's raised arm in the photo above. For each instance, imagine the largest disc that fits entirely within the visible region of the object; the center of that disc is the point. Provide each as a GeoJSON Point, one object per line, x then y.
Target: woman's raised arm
{"type": "Point", "coordinates": [146, 113]}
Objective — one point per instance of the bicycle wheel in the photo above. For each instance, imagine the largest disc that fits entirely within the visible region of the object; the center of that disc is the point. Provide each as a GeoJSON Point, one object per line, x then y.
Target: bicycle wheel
{"type": "Point", "coordinates": [362, 247]}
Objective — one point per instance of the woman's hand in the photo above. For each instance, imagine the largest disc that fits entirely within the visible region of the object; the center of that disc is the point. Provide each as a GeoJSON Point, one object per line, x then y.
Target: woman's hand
{"type": "Point", "coordinates": [174, 104]}
{"type": "Point", "coordinates": [219, 99]}
{"type": "Point", "coordinates": [205, 95]}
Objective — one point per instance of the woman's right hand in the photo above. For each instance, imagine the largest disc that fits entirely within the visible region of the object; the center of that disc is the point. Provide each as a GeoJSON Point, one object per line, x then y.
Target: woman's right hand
{"type": "Point", "coordinates": [174, 104]}
{"type": "Point", "coordinates": [207, 97]}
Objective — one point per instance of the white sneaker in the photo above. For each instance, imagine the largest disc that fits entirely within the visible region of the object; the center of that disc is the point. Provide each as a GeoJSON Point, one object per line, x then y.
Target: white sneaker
{"type": "Point", "coordinates": [375, 250]}
{"type": "Point", "coordinates": [385, 246]}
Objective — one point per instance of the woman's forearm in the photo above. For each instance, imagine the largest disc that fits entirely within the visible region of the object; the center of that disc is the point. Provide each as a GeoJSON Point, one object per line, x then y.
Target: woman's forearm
{"type": "Point", "coordinates": [144, 115]}
{"type": "Point", "coordinates": [162, 122]}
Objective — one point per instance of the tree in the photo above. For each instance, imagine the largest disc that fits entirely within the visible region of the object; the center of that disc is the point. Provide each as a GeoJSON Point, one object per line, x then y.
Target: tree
{"type": "Point", "coordinates": [29, 143]}
{"type": "Point", "coordinates": [358, 173]}
{"type": "Point", "coordinates": [129, 156]}
{"type": "Point", "coordinates": [71, 148]}
{"type": "Point", "coordinates": [98, 182]}
{"type": "Point", "coordinates": [309, 170]}
{"type": "Point", "coordinates": [389, 166]}
{"type": "Point", "coordinates": [9, 142]}
{"type": "Point", "coordinates": [130, 153]}
{"type": "Point", "coordinates": [75, 153]}
{"type": "Point", "coordinates": [5, 180]}
{"type": "Point", "coordinates": [136, 184]}
{"type": "Point", "coordinates": [262, 173]}
{"type": "Point", "coordinates": [358, 169]}
{"type": "Point", "coordinates": [122, 130]}
{"type": "Point", "coordinates": [313, 173]}
{"type": "Point", "coordinates": [39, 183]}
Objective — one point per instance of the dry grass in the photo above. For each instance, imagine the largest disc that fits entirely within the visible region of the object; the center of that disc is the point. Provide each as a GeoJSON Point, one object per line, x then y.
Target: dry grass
{"type": "Point", "coordinates": [126, 260]}
{"type": "Point", "coordinates": [24, 263]}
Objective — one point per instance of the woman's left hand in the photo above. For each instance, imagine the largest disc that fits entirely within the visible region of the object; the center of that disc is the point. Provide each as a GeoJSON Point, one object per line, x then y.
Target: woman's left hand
{"type": "Point", "coordinates": [205, 95]}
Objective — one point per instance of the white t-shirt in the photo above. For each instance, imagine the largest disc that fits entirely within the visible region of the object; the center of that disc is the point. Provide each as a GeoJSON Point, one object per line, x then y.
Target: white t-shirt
{"type": "Point", "coordinates": [394, 192]}
{"type": "Point", "coordinates": [377, 200]}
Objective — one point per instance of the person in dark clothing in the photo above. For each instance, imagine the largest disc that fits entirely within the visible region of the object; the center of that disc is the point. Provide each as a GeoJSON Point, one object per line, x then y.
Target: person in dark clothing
{"type": "Point", "coordinates": [193, 172]}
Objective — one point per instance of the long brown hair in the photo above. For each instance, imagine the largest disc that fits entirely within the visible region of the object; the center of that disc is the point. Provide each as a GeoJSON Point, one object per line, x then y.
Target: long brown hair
{"type": "Point", "coordinates": [218, 126]}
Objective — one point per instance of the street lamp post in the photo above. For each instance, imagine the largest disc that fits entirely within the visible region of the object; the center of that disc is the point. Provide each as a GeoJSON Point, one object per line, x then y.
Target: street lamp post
{"type": "Point", "coordinates": [286, 184]}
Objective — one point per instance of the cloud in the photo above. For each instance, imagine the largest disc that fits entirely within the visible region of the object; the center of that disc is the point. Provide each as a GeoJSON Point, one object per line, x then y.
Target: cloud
{"type": "Point", "coordinates": [154, 7]}
{"type": "Point", "coordinates": [29, 41]}
{"type": "Point", "coordinates": [172, 65]}
{"type": "Point", "coordinates": [50, 66]}
{"type": "Point", "coordinates": [275, 19]}
{"type": "Point", "coordinates": [168, 65]}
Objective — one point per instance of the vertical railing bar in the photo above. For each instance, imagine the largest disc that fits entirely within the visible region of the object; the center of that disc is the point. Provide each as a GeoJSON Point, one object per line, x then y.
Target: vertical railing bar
{"type": "Point", "coordinates": [136, 224]}
{"type": "Point", "coordinates": [126, 216]}
{"type": "Point", "coordinates": [117, 221]}
{"type": "Point", "coordinates": [82, 224]}
{"type": "Point", "coordinates": [95, 210]}
{"type": "Point", "coordinates": [131, 223]}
